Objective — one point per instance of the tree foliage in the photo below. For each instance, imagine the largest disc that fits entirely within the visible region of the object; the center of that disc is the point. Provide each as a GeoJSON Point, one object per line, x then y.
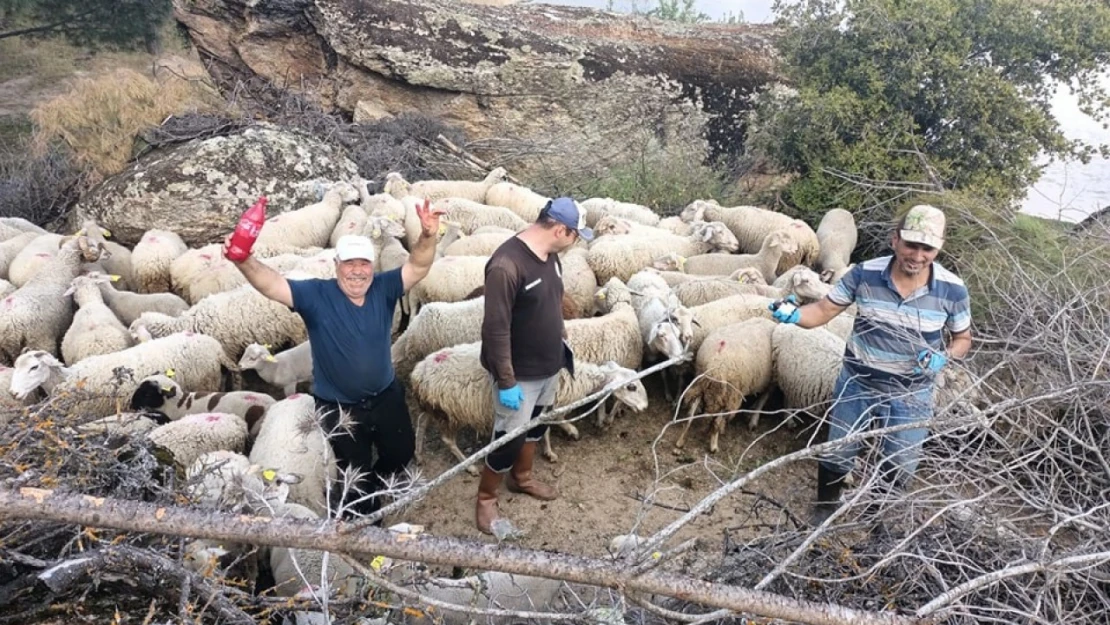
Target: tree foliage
{"type": "Point", "coordinates": [90, 23]}
{"type": "Point", "coordinates": [944, 94]}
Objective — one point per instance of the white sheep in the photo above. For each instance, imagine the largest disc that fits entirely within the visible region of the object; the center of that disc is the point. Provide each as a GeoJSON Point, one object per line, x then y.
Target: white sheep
{"type": "Point", "coordinates": [11, 248]}
{"type": "Point", "coordinates": [102, 382]}
{"type": "Point", "coordinates": [523, 201]}
{"type": "Point", "coordinates": [836, 235]}
{"type": "Point", "coordinates": [291, 441]}
{"type": "Point", "coordinates": [285, 369]}
{"type": "Point", "coordinates": [295, 570]}
{"type": "Point", "coordinates": [745, 275]}
{"type": "Point", "coordinates": [596, 208]}
{"type": "Point", "coordinates": [437, 325]}
{"type": "Point", "coordinates": [32, 257]}
{"type": "Point", "coordinates": [452, 387]}
{"type": "Point", "coordinates": [483, 244]}
{"type": "Point", "coordinates": [8, 403]}
{"type": "Point", "coordinates": [151, 259]}
{"type": "Point", "coordinates": [37, 314]}
{"type": "Point", "coordinates": [128, 306]}
{"type": "Point", "coordinates": [386, 235]}
{"type": "Point", "coordinates": [161, 393]}
{"type": "Point", "coordinates": [625, 255]}
{"type": "Point", "coordinates": [310, 226]}
{"type": "Point", "coordinates": [193, 435]}
{"type": "Point", "coordinates": [752, 224]}
{"type": "Point", "coordinates": [95, 329]}
{"type": "Point", "coordinates": [113, 258]}
{"type": "Point", "coordinates": [726, 311]}
{"type": "Point", "coordinates": [450, 279]}
{"type": "Point", "coordinates": [733, 362]}
{"type": "Point", "coordinates": [579, 284]}
{"type": "Point", "coordinates": [472, 215]}
{"type": "Point", "coordinates": [775, 245]}
{"type": "Point", "coordinates": [806, 364]}
{"type": "Point", "coordinates": [383, 205]}
{"type": "Point", "coordinates": [396, 186]}
{"type": "Point", "coordinates": [11, 227]}
{"type": "Point", "coordinates": [203, 271]}
{"type": "Point", "coordinates": [351, 221]}
{"type": "Point", "coordinates": [675, 225]}
{"type": "Point", "coordinates": [236, 319]}
{"type": "Point", "coordinates": [610, 225]}
{"type": "Point", "coordinates": [708, 289]}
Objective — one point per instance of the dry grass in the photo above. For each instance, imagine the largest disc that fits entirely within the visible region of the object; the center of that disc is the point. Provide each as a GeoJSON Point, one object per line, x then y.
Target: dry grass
{"type": "Point", "coordinates": [100, 116]}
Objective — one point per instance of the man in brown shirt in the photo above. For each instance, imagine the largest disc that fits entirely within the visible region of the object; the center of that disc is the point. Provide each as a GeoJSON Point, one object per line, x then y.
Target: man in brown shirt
{"type": "Point", "coordinates": [522, 346]}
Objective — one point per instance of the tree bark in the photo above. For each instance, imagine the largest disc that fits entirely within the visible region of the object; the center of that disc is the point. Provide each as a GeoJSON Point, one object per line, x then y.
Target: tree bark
{"type": "Point", "coordinates": [339, 537]}
{"type": "Point", "coordinates": [579, 83]}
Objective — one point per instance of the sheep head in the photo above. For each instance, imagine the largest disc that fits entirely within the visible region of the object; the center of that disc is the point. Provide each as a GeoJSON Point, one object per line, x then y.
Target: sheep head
{"type": "Point", "coordinates": [807, 285]}
{"type": "Point", "coordinates": [396, 185]}
{"type": "Point", "coordinates": [32, 369]}
{"type": "Point", "coordinates": [716, 234]}
{"type": "Point", "coordinates": [341, 193]}
{"type": "Point", "coordinates": [496, 175]}
{"type": "Point", "coordinates": [671, 261]}
{"type": "Point", "coordinates": [695, 211]}
{"type": "Point", "coordinates": [612, 225]}
{"type": "Point", "coordinates": [625, 387]}
{"type": "Point", "coordinates": [378, 227]}
{"type": "Point", "coordinates": [782, 241]}
{"type": "Point", "coordinates": [665, 337]}
{"type": "Point", "coordinates": [153, 391]}
{"type": "Point", "coordinates": [255, 355]}
{"type": "Point", "coordinates": [748, 275]}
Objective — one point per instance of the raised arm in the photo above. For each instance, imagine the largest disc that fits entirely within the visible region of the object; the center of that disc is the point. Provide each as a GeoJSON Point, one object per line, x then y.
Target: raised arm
{"type": "Point", "coordinates": [264, 278]}
{"type": "Point", "coordinates": [424, 251]}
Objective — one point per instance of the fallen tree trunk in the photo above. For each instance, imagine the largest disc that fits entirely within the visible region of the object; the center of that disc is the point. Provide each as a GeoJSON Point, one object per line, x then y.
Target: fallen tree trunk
{"type": "Point", "coordinates": [577, 87]}
{"type": "Point", "coordinates": [338, 537]}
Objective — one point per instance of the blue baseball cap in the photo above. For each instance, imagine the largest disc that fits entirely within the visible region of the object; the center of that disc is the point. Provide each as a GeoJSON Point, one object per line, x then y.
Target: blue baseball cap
{"type": "Point", "coordinates": [567, 212]}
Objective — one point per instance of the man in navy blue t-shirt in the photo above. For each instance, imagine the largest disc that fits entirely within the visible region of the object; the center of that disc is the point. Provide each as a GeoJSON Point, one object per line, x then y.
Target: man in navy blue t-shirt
{"type": "Point", "coordinates": [348, 320]}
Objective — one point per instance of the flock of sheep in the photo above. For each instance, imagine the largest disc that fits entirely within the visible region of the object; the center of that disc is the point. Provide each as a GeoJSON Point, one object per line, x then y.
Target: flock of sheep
{"type": "Point", "coordinates": [151, 341]}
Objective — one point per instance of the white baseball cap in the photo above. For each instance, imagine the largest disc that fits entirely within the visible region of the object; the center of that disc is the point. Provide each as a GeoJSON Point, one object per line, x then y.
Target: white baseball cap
{"type": "Point", "coordinates": [352, 246]}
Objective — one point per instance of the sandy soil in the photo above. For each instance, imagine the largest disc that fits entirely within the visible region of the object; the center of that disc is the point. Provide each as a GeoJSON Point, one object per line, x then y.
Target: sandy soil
{"type": "Point", "coordinates": [603, 477]}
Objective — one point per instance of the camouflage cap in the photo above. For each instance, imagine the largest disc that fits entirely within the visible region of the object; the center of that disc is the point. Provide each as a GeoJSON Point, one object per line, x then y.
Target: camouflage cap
{"type": "Point", "coordinates": [924, 224]}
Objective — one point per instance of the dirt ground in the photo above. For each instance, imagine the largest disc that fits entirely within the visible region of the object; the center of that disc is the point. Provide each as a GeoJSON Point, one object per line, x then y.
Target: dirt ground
{"type": "Point", "coordinates": [603, 477]}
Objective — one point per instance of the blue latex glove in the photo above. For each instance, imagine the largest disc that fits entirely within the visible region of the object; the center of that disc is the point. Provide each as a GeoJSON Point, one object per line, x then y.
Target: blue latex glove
{"type": "Point", "coordinates": [785, 310]}
{"type": "Point", "coordinates": [928, 360]}
{"type": "Point", "coordinates": [511, 397]}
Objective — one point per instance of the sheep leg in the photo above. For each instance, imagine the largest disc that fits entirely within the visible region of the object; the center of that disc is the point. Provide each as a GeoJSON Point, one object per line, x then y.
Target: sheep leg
{"type": "Point", "coordinates": [448, 438]}
{"type": "Point", "coordinates": [602, 412]}
{"type": "Point", "coordinates": [289, 389]}
{"type": "Point", "coordinates": [421, 430]}
{"type": "Point", "coordinates": [715, 429]}
{"type": "Point", "coordinates": [757, 409]}
{"type": "Point", "coordinates": [547, 451]}
{"type": "Point", "coordinates": [567, 428]}
{"type": "Point", "coordinates": [695, 403]}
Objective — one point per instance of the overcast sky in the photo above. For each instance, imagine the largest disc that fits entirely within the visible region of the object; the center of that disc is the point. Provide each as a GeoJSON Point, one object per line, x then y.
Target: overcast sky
{"type": "Point", "coordinates": [753, 10]}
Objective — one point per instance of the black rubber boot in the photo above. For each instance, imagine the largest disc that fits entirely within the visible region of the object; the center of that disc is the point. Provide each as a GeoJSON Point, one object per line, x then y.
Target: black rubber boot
{"type": "Point", "coordinates": [829, 485]}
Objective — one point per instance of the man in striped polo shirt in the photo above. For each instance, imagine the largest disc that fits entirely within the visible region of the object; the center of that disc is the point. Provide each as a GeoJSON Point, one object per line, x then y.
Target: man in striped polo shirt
{"type": "Point", "coordinates": [895, 351]}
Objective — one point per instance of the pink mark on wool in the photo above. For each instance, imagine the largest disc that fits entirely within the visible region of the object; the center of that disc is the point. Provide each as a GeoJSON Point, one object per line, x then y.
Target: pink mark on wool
{"type": "Point", "coordinates": [152, 238]}
{"type": "Point", "coordinates": [212, 418]}
{"type": "Point", "coordinates": [250, 398]}
{"type": "Point", "coordinates": [294, 396]}
{"type": "Point", "coordinates": [441, 355]}
{"type": "Point", "coordinates": [721, 346]}
{"type": "Point", "coordinates": [42, 255]}
{"type": "Point", "coordinates": [189, 333]}
{"type": "Point", "coordinates": [9, 301]}
{"type": "Point", "coordinates": [206, 256]}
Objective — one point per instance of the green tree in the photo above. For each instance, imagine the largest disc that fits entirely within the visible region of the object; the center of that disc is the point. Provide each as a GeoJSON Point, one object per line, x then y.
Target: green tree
{"type": "Point", "coordinates": [889, 97]}
{"type": "Point", "coordinates": [90, 23]}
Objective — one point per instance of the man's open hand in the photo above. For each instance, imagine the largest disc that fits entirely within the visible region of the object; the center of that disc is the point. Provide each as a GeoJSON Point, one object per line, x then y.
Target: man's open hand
{"type": "Point", "coordinates": [429, 218]}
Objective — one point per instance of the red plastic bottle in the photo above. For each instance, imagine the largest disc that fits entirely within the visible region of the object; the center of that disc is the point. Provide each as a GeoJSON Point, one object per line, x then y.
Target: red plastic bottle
{"type": "Point", "coordinates": [246, 233]}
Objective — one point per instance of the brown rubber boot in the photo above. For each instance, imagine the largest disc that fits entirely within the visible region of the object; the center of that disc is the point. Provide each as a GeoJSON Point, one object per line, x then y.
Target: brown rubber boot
{"type": "Point", "coordinates": [521, 480]}
{"type": "Point", "coordinates": [485, 512]}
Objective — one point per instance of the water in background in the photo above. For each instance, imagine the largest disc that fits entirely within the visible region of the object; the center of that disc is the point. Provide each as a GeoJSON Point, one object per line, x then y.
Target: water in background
{"type": "Point", "coordinates": [1067, 191]}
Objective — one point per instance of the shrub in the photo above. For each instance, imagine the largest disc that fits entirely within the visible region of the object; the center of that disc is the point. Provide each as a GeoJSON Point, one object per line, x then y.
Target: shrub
{"type": "Point", "coordinates": [100, 117]}
{"type": "Point", "coordinates": [40, 184]}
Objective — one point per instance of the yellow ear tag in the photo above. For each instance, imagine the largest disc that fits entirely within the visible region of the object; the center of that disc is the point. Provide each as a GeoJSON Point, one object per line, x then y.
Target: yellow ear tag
{"type": "Point", "coordinates": [442, 229]}
{"type": "Point", "coordinates": [681, 262]}
{"type": "Point", "coordinates": [167, 388]}
{"type": "Point", "coordinates": [269, 475]}
{"type": "Point", "coordinates": [377, 563]}
{"type": "Point", "coordinates": [169, 373]}
{"type": "Point", "coordinates": [267, 346]}
{"type": "Point", "coordinates": [271, 359]}
{"type": "Point", "coordinates": [107, 234]}
{"type": "Point", "coordinates": [79, 233]}
{"type": "Point", "coordinates": [114, 278]}
{"type": "Point", "coordinates": [656, 555]}
{"type": "Point", "coordinates": [601, 295]}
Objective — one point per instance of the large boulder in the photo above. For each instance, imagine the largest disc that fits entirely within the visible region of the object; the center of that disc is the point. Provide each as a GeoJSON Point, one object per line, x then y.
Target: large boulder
{"type": "Point", "coordinates": [199, 189]}
{"type": "Point", "coordinates": [544, 90]}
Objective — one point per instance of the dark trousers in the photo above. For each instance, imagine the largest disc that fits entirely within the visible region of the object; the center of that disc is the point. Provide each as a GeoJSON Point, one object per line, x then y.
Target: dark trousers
{"type": "Point", "coordinates": [379, 442]}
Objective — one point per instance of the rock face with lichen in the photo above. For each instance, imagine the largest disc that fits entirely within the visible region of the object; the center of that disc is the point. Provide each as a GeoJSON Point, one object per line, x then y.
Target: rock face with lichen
{"type": "Point", "coordinates": [564, 86]}
{"type": "Point", "coordinates": [199, 189]}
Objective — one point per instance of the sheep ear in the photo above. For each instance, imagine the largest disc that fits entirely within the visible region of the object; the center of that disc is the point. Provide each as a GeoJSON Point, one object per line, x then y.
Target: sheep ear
{"type": "Point", "coordinates": [695, 322]}
{"type": "Point", "coordinates": [79, 233]}
{"type": "Point", "coordinates": [707, 235]}
{"type": "Point", "coordinates": [72, 288]}
{"type": "Point", "coordinates": [267, 346]}
{"type": "Point", "coordinates": [271, 359]}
